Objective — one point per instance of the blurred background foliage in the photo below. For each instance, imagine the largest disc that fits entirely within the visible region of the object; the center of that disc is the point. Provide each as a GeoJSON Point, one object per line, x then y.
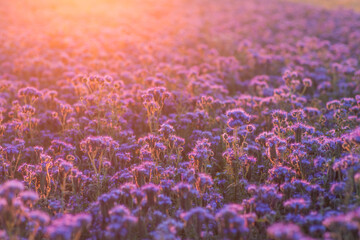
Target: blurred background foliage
{"type": "Point", "coordinates": [350, 4]}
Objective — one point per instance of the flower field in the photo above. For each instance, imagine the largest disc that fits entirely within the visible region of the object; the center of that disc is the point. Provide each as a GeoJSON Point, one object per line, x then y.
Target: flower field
{"type": "Point", "coordinates": [179, 119]}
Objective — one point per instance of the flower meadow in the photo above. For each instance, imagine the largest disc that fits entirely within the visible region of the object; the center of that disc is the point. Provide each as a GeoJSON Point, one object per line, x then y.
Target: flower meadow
{"type": "Point", "coordinates": [179, 119]}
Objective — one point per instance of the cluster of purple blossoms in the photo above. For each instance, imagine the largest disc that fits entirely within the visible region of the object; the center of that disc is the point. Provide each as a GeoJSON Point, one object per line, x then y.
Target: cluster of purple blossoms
{"type": "Point", "coordinates": [180, 120]}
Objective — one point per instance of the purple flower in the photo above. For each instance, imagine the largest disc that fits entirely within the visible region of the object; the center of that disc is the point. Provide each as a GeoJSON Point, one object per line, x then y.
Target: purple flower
{"type": "Point", "coordinates": [285, 231]}
{"type": "Point", "coordinates": [150, 190]}
{"type": "Point", "coordinates": [10, 189]}
{"type": "Point", "coordinates": [232, 224]}
{"type": "Point", "coordinates": [281, 174]}
{"type": "Point", "coordinates": [297, 205]}
{"type": "Point", "coordinates": [40, 217]}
